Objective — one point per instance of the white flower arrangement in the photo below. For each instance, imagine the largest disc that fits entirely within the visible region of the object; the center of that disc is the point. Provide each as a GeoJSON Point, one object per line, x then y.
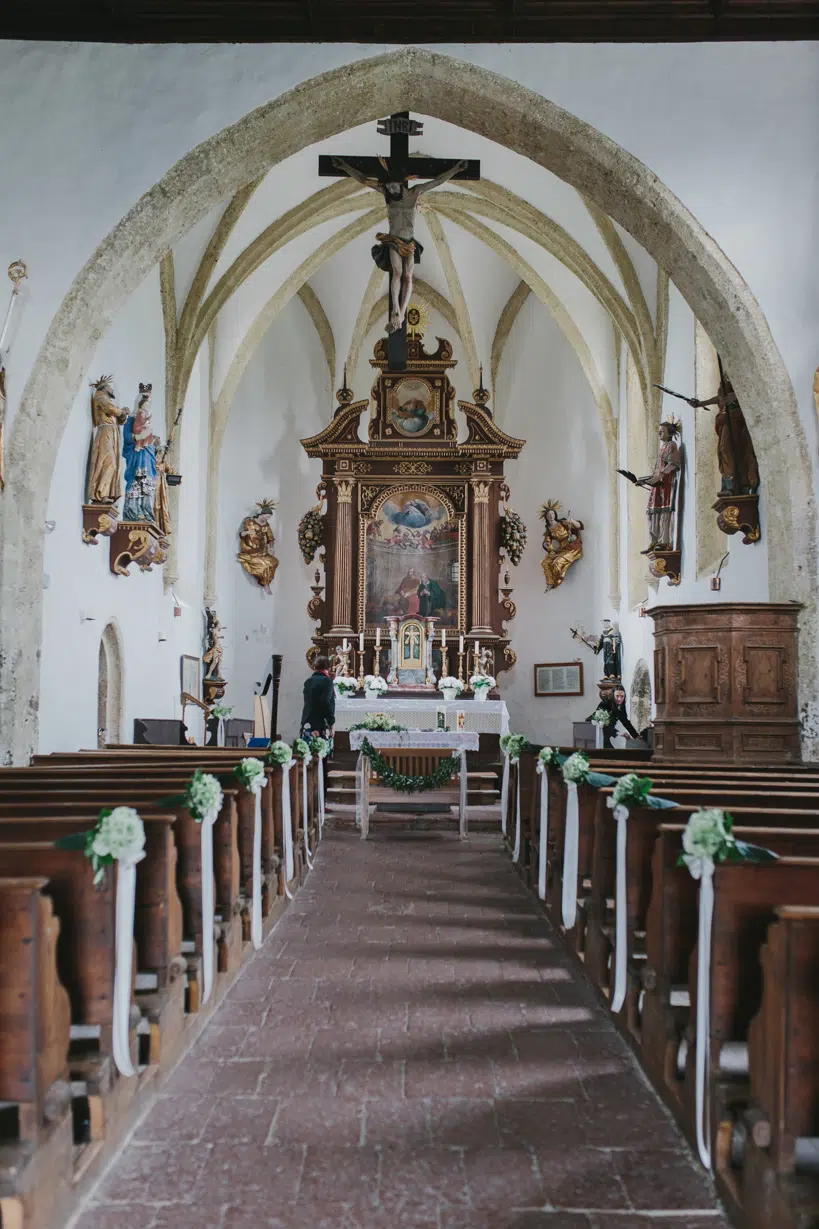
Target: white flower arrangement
{"type": "Point", "coordinates": [220, 711]}
{"type": "Point", "coordinates": [548, 755]}
{"type": "Point", "coordinates": [631, 789]}
{"type": "Point", "coordinates": [707, 839]}
{"type": "Point", "coordinates": [203, 796]}
{"type": "Point", "coordinates": [576, 768]}
{"type": "Point", "coordinates": [513, 745]}
{"type": "Point", "coordinates": [319, 746]}
{"type": "Point", "coordinates": [375, 682]}
{"type": "Point", "coordinates": [250, 773]}
{"type": "Point", "coordinates": [280, 753]}
{"type": "Point", "coordinates": [117, 836]}
{"type": "Point", "coordinates": [346, 686]}
{"type": "Point", "coordinates": [479, 681]}
{"type": "Point", "coordinates": [601, 717]}
{"type": "Point", "coordinates": [450, 683]}
{"type": "Point", "coordinates": [300, 750]}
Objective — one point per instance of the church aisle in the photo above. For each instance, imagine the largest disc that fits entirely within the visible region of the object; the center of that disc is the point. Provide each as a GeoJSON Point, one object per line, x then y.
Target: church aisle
{"type": "Point", "coordinates": [411, 1048]}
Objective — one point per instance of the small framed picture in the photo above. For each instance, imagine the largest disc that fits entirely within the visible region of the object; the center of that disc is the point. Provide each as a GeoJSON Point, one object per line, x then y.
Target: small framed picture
{"type": "Point", "coordinates": [191, 675]}
{"type": "Point", "coordinates": [559, 678]}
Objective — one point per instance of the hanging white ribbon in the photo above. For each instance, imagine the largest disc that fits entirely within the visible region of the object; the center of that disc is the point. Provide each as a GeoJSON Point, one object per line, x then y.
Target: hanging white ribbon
{"type": "Point", "coordinates": [570, 855]}
{"type": "Point", "coordinates": [364, 795]}
{"type": "Point", "coordinates": [125, 897]}
{"type": "Point", "coordinates": [321, 793]}
{"type": "Point", "coordinates": [305, 814]}
{"type": "Point", "coordinates": [703, 869]}
{"type": "Point", "coordinates": [463, 794]}
{"type": "Point", "coordinates": [256, 907]}
{"type": "Point", "coordinates": [516, 854]}
{"type": "Point", "coordinates": [504, 791]}
{"type": "Point", "coordinates": [208, 900]}
{"type": "Point", "coordinates": [544, 829]}
{"type": "Point", "coordinates": [598, 737]}
{"type": "Point", "coordinates": [287, 829]}
{"type": "Point", "coordinates": [621, 908]}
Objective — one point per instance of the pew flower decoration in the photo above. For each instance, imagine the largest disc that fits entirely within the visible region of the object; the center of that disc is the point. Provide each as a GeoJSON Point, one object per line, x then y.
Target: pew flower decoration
{"type": "Point", "coordinates": [301, 750]}
{"type": "Point", "coordinates": [631, 790]}
{"type": "Point", "coordinates": [550, 755]}
{"type": "Point", "coordinates": [601, 717]}
{"type": "Point", "coordinates": [250, 774]}
{"type": "Point", "coordinates": [280, 753]}
{"type": "Point", "coordinates": [221, 711]}
{"type": "Point", "coordinates": [203, 797]}
{"type": "Point", "coordinates": [576, 768]}
{"type": "Point", "coordinates": [708, 838]}
{"type": "Point", "coordinates": [117, 836]}
{"type": "Point", "coordinates": [319, 747]}
{"type": "Point", "coordinates": [513, 745]}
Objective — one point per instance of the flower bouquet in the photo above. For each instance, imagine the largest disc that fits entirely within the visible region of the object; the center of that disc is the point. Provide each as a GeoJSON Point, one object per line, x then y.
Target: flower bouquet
{"type": "Point", "coordinates": [601, 717]}
{"type": "Point", "coordinates": [320, 747]}
{"type": "Point", "coordinates": [380, 722]}
{"type": "Point", "coordinates": [117, 836]}
{"type": "Point", "coordinates": [481, 685]}
{"type": "Point", "coordinates": [250, 774]}
{"type": "Point", "coordinates": [450, 687]}
{"type": "Point", "coordinates": [577, 771]}
{"type": "Point", "coordinates": [708, 838]}
{"type": "Point", "coordinates": [374, 686]}
{"type": "Point", "coordinates": [513, 745]}
{"type": "Point", "coordinates": [280, 753]}
{"type": "Point", "coordinates": [345, 687]}
{"type": "Point", "coordinates": [301, 749]}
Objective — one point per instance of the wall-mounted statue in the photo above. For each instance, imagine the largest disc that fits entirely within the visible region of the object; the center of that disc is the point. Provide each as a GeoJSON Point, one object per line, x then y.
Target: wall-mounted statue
{"type": "Point", "coordinates": [662, 486]}
{"type": "Point", "coordinates": [561, 542]}
{"type": "Point", "coordinates": [139, 445]}
{"type": "Point", "coordinates": [104, 485]}
{"type": "Point", "coordinates": [212, 657]}
{"type": "Point", "coordinates": [610, 644]}
{"type": "Point", "coordinates": [256, 542]}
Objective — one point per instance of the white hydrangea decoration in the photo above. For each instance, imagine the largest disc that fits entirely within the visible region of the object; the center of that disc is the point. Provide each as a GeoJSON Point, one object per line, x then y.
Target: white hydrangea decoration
{"type": "Point", "coordinates": [547, 755]}
{"type": "Point", "coordinates": [482, 680]}
{"type": "Point", "coordinates": [624, 790]}
{"type": "Point", "coordinates": [204, 796]}
{"type": "Point", "coordinates": [706, 839]}
{"type": "Point", "coordinates": [601, 717]}
{"type": "Point", "coordinates": [346, 685]}
{"type": "Point", "coordinates": [119, 836]}
{"type": "Point", "coordinates": [375, 682]}
{"type": "Point", "coordinates": [576, 768]}
{"type": "Point", "coordinates": [281, 752]}
{"type": "Point", "coordinates": [251, 773]}
{"type": "Point", "coordinates": [450, 683]}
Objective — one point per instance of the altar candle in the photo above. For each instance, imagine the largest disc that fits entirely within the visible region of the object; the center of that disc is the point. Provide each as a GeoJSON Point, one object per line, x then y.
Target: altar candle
{"type": "Point", "coordinates": [443, 638]}
{"type": "Point", "coordinates": [477, 648]}
{"type": "Point", "coordinates": [461, 644]}
{"type": "Point", "coordinates": [378, 637]}
{"type": "Point", "coordinates": [361, 643]}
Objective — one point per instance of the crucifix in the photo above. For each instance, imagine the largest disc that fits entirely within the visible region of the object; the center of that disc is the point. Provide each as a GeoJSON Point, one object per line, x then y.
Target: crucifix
{"type": "Point", "coordinates": [397, 251]}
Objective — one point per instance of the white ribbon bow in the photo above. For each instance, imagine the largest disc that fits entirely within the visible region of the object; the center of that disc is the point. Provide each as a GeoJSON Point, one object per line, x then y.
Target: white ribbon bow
{"type": "Point", "coordinates": [621, 814]}
{"type": "Point", "coordinates": [504, 791]}
{"type": "Point", "coordinates": [124, 943]}
{"type": "Point", "coordinates": [703, 869]}
{"type": "Point", "coordinates": [570, 855]}
{"type": "Point", "coordinates": [287, 829]}
{"type": "Point", "coordinates": [544, 829]}
{"type": "Point", "coordinates": [516, 853]}
{"type": "Point", "coordinates": [305, 814]}
{"type": "Point", "coordinates": [256, 908]}
{"type": "Point", "coordinates": [321, 759]}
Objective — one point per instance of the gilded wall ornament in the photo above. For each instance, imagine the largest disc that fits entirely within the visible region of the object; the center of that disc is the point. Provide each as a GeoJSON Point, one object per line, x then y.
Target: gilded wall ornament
{"type": "Point", "coordinates": [562, 543]}
{"type": "Point", "coordinates": [256, 542]}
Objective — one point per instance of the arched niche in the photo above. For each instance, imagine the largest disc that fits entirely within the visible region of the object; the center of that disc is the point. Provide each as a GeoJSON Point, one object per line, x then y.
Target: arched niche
{"type": "Point", "coordinates": [110, 688]}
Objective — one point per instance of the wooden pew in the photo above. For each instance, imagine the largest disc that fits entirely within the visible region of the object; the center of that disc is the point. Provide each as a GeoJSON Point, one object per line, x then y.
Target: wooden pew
{"type": "Point", "coordinates": [783, 1061]}
{"type": "Point", "coordinates": [35, 1011]}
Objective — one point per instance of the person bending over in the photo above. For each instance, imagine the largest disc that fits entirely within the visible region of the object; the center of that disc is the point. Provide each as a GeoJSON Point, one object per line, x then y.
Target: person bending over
{"type": "Point", "coordinates": [615, 704]}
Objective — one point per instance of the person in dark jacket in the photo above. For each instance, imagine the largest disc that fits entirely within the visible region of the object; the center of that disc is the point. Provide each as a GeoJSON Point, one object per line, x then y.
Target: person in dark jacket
{"type": "Point", "coordinates": [319, 713]}
{"type": "Point", "coordinates": [615, 703]}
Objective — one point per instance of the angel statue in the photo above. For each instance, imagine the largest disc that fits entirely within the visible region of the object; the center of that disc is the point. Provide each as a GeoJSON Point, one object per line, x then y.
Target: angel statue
{"type": "Point", "coordinates": [562, 543]}
{"type": "Point", "coordinates": [398, 251]}
{"type": "Point", "coordinates": [256, 544]}
{"type": "Point", "coordinates": [104, 484]}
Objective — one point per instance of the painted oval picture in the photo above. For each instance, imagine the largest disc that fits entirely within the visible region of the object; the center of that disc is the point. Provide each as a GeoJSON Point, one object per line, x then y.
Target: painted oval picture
{"type": "Point", "coordinates": [411, 407]}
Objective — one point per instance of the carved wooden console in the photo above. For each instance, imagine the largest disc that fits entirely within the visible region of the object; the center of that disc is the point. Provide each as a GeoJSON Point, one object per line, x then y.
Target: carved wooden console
{"type": "Point", "coordinates": [725, 682]}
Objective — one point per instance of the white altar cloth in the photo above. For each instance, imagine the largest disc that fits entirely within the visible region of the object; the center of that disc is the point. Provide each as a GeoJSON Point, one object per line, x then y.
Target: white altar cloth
{"type": "Point", "coordinates": [456, 741]}
{"type": "Point", "coordinates": [484, 716]}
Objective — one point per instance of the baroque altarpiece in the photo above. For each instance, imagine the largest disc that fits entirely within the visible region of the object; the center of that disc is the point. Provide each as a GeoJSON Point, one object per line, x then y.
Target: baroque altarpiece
{"type": "Point", "coordinates": [412, 528]}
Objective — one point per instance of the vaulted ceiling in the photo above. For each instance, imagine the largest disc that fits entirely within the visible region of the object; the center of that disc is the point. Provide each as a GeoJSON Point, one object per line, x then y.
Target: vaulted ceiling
{"type": "Point", "coordinates": [425, 21]}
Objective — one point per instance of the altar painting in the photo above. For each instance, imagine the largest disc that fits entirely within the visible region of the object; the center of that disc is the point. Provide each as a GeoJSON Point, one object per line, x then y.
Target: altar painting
{"type": "Point", "coordinates": [411, 407]}
{"type": "Point", "coordinates": [412, 560]}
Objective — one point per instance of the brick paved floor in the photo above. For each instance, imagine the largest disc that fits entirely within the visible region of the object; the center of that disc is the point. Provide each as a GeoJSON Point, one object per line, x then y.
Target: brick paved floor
{"type": "Point", "coordinates": [413, 1049]}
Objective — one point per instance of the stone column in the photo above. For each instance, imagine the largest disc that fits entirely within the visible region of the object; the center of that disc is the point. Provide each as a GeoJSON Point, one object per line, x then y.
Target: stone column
{"type": "Point", "coordinates": [482, 559]}
{"type": "Point", "coordinates": [343, 560]}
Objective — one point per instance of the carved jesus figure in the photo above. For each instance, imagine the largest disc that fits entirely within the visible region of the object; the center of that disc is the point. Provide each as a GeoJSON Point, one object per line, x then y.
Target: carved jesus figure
{"type": "Point", "coordinates": [398, 251]}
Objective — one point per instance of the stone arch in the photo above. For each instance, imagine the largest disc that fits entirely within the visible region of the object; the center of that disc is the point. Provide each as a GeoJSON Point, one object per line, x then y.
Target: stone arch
{"type": "Point", "coordinates": [110, 687]}
{"type": "Point", "coordinates": [475, 99]}
{"type": "Point", "coordinates": [640, 696]}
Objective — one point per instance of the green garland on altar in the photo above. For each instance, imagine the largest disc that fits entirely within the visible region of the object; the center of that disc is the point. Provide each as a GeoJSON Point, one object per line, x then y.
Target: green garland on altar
{"type": "Point", "coordinates": [380, 723]}
{"type": "Point", "coordinates": [403, 782]}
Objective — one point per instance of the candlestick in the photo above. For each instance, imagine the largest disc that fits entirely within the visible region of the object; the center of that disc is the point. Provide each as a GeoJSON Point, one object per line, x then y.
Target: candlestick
{"type": "Point", "coordinates": [361, 643]}
{"type": "Point", "coordinates": [361, 667]}
{"type": "Point", "coordinates": [461, 661]}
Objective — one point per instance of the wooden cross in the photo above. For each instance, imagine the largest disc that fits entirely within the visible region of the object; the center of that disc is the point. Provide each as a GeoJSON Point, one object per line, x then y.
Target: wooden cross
{"type": "Point", "coordinates": [398, 167]}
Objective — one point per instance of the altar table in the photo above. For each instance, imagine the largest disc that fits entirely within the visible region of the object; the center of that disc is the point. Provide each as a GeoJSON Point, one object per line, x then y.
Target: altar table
{"type": "Point", "coordinates": [483, 716]}
{"type": "Point", "coordinates": [456, 741]}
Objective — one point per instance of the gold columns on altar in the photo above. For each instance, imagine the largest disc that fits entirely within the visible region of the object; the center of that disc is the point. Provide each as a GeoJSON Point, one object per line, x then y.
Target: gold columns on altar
{"type": "Point", "coordinates": [343, 569]}
{"type": "Point", "coordinates": [482, 559]}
